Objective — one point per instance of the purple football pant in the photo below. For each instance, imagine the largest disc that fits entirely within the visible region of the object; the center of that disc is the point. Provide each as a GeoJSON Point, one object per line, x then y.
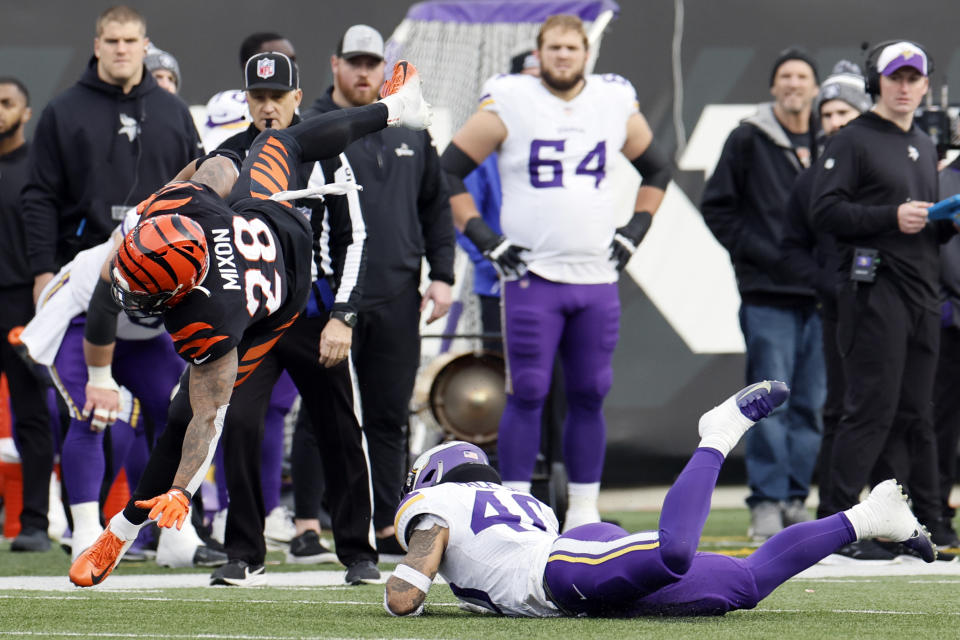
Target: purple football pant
{"type": "Point", "coordinates": [150, 369]}
{"type": "Point", "coordinates": [601, 570]}
{"type": "Point", "coordinates": [281, 400]}
{"type": "Point", "coordinates": [581, 323]}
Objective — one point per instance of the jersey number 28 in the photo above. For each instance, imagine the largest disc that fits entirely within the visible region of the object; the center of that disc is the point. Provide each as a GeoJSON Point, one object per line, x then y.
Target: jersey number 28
{"type": "Point", "coordinates": [255, 243]}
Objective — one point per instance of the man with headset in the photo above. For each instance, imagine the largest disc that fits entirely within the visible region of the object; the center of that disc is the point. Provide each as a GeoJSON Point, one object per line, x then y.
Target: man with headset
{"type": "Point", "coordinates": [875, 182]}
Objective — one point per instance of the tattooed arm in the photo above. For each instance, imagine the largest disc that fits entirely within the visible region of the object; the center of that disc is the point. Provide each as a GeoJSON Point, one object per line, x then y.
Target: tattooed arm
{"type": "Point", "coordinates": [210, 387]}
{"type": "Point", "coordinates": [219, 173]}
{"type": "Point", "coordinates": [424, 554]}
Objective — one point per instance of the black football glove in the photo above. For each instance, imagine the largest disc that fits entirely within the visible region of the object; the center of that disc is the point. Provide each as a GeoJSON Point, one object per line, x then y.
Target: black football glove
{"type": "Point", "coordinates": [628, 237]}
{"type": "Point", "coordinates": [504, 255]}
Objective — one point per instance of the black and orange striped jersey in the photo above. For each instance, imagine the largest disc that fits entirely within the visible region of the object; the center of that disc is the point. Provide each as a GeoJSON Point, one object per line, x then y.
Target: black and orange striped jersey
{"type": "Point", "coordinates": [257, 280]}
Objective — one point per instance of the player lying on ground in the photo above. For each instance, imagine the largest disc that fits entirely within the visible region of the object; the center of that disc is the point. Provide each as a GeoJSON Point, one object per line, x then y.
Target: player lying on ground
{"type": "Point", "coordinates": [499, 549]}
{"type": "Point", "coordinates": [228, 269]}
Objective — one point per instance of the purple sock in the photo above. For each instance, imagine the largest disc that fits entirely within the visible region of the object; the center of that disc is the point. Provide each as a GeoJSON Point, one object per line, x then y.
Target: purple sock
{"type": "Point", "coordinates": [796, 548]}
{"type": "Point", "coordinates": [686, 507]}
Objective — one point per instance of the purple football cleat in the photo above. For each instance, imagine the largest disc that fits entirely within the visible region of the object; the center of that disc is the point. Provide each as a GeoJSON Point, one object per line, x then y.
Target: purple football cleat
{"type": "Point", "coordinates": [759, 400]}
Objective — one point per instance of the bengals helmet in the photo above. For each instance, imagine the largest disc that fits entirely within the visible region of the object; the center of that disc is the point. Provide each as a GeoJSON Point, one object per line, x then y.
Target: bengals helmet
{"type": "Point", "coordinates": [158, 263]}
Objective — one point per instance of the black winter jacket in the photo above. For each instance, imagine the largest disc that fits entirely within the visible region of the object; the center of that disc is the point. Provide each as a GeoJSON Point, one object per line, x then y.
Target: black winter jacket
{"type": "Point", "coordinates": [743, 205]}
{"type": "Point", "coordinates": [14, 271]}
{"type": "Point", "coordinates": [868, 169]}
{"type": "Point", "coordinates": [94, 149]}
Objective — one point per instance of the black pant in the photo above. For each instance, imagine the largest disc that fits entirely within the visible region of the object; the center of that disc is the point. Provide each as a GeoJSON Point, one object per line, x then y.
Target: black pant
{"type": "Point", "coordinates": [946, 407]}
{"type": "Point", "coordinates": [31, 426]}
{"type": "Point", "coordinates": [386, 354]}
{"type": "Point", "coordinates": [889, 349]}
{"type": "Point", "coordinates": [327, 397]}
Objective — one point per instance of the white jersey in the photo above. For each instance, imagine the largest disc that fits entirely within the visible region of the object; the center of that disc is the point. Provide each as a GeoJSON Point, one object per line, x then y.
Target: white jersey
{"type": "Point", "coordinates": [498, 546]}
{"type": "Point", "coordinates": [68, 294]}
{"type": "Point", "coordinates": [557, 200]}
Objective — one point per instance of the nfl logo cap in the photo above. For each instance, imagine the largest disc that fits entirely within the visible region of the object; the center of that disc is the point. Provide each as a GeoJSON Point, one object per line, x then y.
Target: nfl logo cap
{"type": "Point", "coordinates": [271, 70]}
{"type": "Point", "coordinates": [902, 54]}
{"type": "Point", "coordinates": [361, 40]}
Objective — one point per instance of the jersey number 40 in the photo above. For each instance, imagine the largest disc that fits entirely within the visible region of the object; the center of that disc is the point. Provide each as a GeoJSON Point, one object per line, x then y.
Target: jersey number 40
{"type": "Point", "coordinates": [488, 511]}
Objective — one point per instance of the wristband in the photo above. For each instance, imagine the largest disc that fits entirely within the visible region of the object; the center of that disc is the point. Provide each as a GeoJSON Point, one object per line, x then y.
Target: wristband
{"type": "Point", "coordinates": [102, 378]}
{"type": "Point", "coordinates": [412, 576]}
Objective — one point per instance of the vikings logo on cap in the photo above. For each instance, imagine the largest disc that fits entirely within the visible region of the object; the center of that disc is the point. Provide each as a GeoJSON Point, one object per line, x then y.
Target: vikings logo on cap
{"type": "Point", "coordinates": [902, 54]}
{"type": "Point", "coordinates": [266, 68]}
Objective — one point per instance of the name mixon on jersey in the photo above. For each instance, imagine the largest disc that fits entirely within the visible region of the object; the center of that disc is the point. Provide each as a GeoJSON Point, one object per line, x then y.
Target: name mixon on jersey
{"type": "Point", "coordinates": [223, 249]}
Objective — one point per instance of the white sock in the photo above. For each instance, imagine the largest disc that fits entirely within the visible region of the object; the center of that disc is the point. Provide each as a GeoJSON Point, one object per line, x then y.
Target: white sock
{"type": "Point", "coordinates": [517, 485]}
{"type": "Point", "coordinates": [86, 517]}
{"type": "Point", "coordinates": [394, 108]}
{"type": "Point", "coordinates": [582, 498]}
{"type": "Point", "coordinates": [863, 519]}
{"type": "Point", "coordinates": [123, 528]}
{"type": "Point", "coordinates": [724, 436]}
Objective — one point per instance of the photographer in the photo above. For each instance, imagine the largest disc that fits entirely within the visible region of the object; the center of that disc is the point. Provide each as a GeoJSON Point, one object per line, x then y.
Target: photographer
{"type": "Point", "coordinates": [875, 182]}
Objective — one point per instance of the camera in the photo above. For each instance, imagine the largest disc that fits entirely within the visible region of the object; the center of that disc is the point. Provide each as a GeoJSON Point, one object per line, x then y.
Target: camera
{"type": "Point", "coordinates": [940, 122]}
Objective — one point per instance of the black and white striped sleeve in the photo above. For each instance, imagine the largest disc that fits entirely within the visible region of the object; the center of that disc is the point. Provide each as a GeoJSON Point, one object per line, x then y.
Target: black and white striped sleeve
{"type": "Point", "coordinates": [340, 234]}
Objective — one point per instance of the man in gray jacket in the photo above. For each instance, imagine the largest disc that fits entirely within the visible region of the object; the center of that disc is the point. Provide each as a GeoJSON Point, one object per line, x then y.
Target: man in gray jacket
{"type": "Point", "coordinates": [744, 204]}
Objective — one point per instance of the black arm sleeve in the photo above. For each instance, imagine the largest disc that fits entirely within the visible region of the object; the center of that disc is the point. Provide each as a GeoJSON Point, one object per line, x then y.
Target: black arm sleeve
{"type": "Point", "coordinates": [328, 134]}
{"type": "Point", "coordinates": [654, 166]}
{"type": "Point", "coordinates": [101, 326]}
{"type": "Point", "coordinates": [457, 165]}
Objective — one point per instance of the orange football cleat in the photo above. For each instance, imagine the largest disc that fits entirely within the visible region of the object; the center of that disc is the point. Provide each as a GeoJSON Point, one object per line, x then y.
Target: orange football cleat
{"type": "Point", "coordinates": [99, 560]}
{"type": "Point", "coordinates": [403, 72]}
{"type": "Point", "coordinates": [404, 99]}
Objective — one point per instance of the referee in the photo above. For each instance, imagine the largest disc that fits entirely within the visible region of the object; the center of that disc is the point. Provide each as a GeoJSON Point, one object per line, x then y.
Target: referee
{"type": "Point", "coordinates": [876, 180]}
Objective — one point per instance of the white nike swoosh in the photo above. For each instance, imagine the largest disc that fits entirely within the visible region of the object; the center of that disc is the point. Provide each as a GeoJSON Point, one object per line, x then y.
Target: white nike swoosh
{"type": "Point", "coordinates": [202, 360]}
{"type": "Point", "coordinates": [760, 385]}
{"type": "Point", "coordinates": [582, 597]}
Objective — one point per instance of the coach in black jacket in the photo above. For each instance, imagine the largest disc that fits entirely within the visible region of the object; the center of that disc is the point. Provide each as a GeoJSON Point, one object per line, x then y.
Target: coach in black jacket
{"type": "Point", "coordinates": [102, 146]}
{"type": "Point", "coordinates": [873, 186]}
{"type": "Point", "coordinates": [406, 209]}
{"type": "Point", "coordinates": [743, 204]}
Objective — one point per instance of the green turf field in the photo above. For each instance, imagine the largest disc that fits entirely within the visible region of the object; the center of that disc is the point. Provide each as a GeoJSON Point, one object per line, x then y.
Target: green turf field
{"type": "Point", "coordinates": [896, 607]}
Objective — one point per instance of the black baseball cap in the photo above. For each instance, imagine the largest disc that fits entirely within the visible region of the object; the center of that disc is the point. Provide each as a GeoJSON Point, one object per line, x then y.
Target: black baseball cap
{"type": "Point", "coordinates": [271, 70]}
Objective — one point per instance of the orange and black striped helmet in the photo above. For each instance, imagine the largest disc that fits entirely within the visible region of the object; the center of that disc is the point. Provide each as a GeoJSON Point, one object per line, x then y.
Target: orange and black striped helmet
{"type": "Point", "coordinates": [158, 263]}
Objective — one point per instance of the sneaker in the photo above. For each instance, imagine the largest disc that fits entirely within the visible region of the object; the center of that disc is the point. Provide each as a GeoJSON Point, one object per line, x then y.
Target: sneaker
{"type": "Point", "coordinates": [722, 427]}
{"type": "Point", "coordinates": [944, 535]}
{"type": "Point", "coordinates": [886, 514]}
{"type": "Point", "coordinates": [865, 550]}
{"type": "Point", "coordinates": [404, 99]}
{"type": "Point", "coordinates": [766, 520]}
{"type": "Point", "coordinates": [238, 573]}
{"type": "Point", "coordinates": [205, 556]}
{"type": "Point", "coordinates": [361, 571]}
{"type": "Point", "coordinates": [306, 548]}
{"type": "Point", "coordinates": [278, 526]}
{"type": "Point", "coordinates": [99, 559]}
{"type": "Point", "coordinates": [794, 512]}
{"type": "Point", "coordinates": [31, 540]}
